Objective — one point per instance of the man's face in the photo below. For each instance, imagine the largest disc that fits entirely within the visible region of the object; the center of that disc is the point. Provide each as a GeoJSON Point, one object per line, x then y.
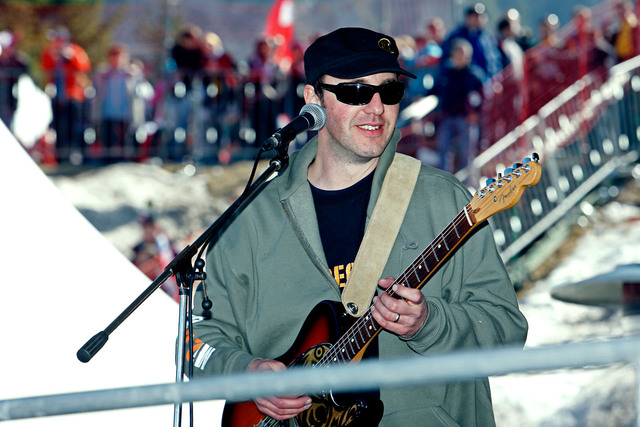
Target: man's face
{"type": "Point", "coordinates": [356, 133]}
{"type": "Point", "coordinates": [460, 58]}
{"type": "Point", "coordinates": [475, 22]}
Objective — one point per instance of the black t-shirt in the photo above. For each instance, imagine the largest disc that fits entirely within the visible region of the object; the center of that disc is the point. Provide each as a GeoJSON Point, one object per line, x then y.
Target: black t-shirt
{"type": "Point", "coordinates": [342, 216]}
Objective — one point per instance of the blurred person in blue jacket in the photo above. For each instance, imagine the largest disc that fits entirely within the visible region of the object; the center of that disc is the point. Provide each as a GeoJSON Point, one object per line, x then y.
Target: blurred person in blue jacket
{"type": "Point", "coordinates": [115, 84]}
{"type": "Point", "coordinates": [486, 55]}
{"type": "Point", "coordinates": [459, 91]}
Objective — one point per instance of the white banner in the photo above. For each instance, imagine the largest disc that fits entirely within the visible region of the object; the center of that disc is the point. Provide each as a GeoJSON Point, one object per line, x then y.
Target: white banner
{"type": "Point", "coordinates": [62, 282]}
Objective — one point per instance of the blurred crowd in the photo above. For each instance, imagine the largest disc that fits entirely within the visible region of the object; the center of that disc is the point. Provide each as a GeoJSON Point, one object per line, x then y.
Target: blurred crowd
{"type": "Point", "coordinates": [485, 82]}
{"type": "Point", "coordinates": [210, 107]}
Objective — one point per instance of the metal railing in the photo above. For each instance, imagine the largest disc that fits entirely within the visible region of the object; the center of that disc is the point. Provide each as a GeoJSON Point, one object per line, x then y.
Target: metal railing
{"type": "Point", "coordinates": [582, 136]}
{"type": "Point", "coordinates": [367, 375]}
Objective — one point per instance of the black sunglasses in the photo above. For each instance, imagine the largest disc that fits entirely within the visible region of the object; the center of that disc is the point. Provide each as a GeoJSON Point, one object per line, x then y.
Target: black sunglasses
{"type": "Point", "coordinates": [391, 93]}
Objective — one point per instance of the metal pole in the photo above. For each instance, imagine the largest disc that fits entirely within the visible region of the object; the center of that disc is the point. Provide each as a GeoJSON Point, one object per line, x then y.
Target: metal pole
{"type": "Point", "coordinates": [182, 324]}
{"type": "Point", "coordinates": [366, 375]}
{"type": "Point", "coordinates": [637, 368]}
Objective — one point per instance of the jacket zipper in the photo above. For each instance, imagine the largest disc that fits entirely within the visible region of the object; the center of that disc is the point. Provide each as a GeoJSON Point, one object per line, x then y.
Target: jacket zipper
{"type": "Point", "coordinates": [310, 252]}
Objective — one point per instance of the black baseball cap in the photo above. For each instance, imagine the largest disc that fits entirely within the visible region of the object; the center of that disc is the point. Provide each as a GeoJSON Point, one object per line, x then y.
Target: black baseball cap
{"type": "Point", "coordinates": [348, 53]}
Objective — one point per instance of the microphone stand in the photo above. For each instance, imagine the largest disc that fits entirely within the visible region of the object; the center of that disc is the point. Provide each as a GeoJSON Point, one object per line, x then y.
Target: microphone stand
{"type": "Point", "coordinates": [185, 273]}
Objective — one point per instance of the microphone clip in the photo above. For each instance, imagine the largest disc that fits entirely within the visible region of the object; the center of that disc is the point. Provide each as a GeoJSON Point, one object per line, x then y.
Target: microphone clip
{"type": "Point", "coordinates": [273, 142]}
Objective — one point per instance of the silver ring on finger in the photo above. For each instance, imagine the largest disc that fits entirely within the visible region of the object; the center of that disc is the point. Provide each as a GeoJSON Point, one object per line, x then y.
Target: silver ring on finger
{"type": "Point", "coordinates": [397, 318]}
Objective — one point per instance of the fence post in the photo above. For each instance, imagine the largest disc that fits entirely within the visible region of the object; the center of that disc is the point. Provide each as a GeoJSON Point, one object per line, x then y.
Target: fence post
{"type": "Point", "coordinates": [636, 365]}
{"type": "Point", "coordinates": [582, 46]}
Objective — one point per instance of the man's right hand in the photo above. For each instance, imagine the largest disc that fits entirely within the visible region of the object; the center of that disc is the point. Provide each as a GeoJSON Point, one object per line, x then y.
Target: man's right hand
{"type": "Point", "coordinates": [280, 408]}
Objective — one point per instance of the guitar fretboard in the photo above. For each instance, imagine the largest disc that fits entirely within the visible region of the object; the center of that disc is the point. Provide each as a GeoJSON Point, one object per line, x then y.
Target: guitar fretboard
{"type": "Point", "coordinates": [366, 328]}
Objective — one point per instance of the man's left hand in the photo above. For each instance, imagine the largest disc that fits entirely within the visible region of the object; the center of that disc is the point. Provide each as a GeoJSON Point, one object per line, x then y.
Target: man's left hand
{"type": "Point", "coordinates": [402, 316]}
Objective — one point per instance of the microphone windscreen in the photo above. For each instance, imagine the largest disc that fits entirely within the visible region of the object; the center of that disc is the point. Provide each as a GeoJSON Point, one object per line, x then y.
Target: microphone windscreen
{"type": "Point", "coordinates": [318, 114]}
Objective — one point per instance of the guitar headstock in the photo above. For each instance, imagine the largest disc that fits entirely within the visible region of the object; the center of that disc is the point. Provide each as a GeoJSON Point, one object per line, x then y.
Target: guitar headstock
{"type": "Point", "coordinates": [504, 192]}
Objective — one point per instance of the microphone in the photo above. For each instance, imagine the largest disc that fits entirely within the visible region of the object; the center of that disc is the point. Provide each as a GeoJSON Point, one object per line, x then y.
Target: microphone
{"type": "Point", "coordinates": [311, 117]}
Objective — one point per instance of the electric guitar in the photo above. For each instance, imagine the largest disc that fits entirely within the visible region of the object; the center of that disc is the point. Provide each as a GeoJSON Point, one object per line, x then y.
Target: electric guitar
{"type": "Point", "coordinates": [329, 335]}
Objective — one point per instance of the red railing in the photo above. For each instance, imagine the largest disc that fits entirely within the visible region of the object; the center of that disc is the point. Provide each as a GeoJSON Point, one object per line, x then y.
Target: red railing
{"type": "Point", "coordinates": [579, 48]}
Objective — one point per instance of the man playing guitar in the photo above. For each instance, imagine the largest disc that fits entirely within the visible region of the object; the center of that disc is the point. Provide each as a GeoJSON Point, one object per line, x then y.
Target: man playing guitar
{"type": "Point", "coordinates": [293, 247]}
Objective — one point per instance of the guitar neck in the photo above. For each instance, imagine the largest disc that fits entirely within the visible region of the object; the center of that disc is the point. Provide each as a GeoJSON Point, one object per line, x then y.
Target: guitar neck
{"type": "Point", "coordinates": [362, 332]}
{"type": "Point", "coordinates": [497, 196]}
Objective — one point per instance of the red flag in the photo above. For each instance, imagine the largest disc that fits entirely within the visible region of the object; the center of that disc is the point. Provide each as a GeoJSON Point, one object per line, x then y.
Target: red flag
{"type": "Point", "coordinates": [279, 27]}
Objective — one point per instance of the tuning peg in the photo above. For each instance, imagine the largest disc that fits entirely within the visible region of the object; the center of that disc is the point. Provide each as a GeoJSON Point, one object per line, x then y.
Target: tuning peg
{"type": "Point", "coordinates": [517, 165]}
{"type": "Point", "coordinates": [535, 157]}
{"type": "Point", "coordinates": [508, 174]}
{"type": "Point", "coordinates": [491, 188]}
{"type": "Point", "coordinates": [526, 160]}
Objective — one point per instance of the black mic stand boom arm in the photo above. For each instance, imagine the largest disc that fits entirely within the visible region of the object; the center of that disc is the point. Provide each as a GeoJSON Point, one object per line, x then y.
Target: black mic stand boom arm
{"type": "Point", "coordinates": [181, 265]}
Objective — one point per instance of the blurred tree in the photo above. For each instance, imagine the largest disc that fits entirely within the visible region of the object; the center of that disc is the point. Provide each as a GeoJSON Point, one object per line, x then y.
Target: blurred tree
{"type": "Point", "coordinates": [158, 30]}
{"type": "Point", "coordinates": [85, 19]}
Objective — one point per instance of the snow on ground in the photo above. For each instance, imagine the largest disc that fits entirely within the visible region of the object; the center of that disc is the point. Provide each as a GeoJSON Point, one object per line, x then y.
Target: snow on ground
{"type": "Point", "coordinates": [585, 397]}
{"type": "Point", "coordinates": [184, 202]}
{"type": "Point", "coordinates": [187, 201]}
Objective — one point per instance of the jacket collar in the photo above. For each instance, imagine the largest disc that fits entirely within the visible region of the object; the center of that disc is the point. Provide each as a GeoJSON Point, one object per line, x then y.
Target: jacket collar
{"type": "Point", "coordinates": [297, 200]}
{"type": "Point", "coordinates": [296, 173]}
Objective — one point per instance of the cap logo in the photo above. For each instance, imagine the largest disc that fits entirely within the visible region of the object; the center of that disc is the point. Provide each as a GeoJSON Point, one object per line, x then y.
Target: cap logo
{"type": "Point", "coordinates": [385, 44]}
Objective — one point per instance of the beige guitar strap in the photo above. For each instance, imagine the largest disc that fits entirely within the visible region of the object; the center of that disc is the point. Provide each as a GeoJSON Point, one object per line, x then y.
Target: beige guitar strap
{"type": "Point", "coordinates": [381, 233]}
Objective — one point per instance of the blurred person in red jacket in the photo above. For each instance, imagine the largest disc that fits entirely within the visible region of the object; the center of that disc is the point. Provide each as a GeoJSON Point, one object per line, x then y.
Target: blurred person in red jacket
{"type": "Point", "coordinates": [66, 67]}
{"type": "Point", "coordinates": [154, 252]}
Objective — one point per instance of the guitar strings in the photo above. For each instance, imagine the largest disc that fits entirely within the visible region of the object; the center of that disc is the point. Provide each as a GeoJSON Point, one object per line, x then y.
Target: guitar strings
{"type": "Point", "coordinates": [272, 422]}
{"type": "Point", "coordinates": [361, 326]}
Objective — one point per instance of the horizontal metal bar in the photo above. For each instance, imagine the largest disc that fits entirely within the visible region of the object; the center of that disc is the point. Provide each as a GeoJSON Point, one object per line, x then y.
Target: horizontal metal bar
{"type": "Point", "coordinates": [367, 375]}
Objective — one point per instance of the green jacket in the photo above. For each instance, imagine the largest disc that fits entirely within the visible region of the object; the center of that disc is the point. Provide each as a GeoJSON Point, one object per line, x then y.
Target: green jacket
{"type": "Point", "coordinates": [267, 271]}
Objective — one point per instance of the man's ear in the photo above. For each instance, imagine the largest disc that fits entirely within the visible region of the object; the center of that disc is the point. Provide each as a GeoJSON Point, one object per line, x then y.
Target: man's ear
{"type": "Point", "coordinates": [310, 96]}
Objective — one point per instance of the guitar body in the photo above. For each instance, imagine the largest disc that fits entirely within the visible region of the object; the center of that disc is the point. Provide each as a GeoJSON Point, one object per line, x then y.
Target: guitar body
{"type": "Point", "coordinates": [324, 325]}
